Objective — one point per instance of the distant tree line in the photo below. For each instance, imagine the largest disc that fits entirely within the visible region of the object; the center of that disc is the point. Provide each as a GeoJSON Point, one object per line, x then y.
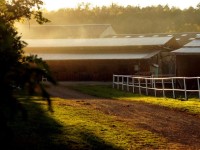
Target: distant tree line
{"type": "Point", "coordinates": [131, 19]}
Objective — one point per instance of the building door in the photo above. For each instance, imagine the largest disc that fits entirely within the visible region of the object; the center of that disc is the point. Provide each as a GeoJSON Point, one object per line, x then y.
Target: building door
{"type": "Point", "coordinates": [154, 69]}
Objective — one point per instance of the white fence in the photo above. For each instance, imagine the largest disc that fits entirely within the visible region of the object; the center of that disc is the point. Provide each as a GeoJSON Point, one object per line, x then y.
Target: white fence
{"type": "Point", "coordinates": [177, 86]}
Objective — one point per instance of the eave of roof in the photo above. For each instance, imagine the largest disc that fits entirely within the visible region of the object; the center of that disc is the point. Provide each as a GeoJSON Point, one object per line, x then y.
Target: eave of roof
{"type": "Point", "coordinates": [98, 42]}
{"type": "Point", "coordinates": [181, 38]}
{"type": "Point", "coordinates": [187, 50]}
{"type": "Point", "coordinates": [96, 56]}
{"type": "Point", "coordinates": [194, 43]}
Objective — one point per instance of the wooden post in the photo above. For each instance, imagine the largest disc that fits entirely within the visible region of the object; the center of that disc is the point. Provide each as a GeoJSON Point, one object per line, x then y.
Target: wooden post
{"type": "Point", "coordinates": [163, 87]}
{"type": "Point", "coordinates": [118, 82]}
{"type": "Point", "coordinates": [173, 88]}
{"type": "Point", "coordinates": [139, 86]}
{"type": "Point", "coordinates": [113, 81]}
{"type": "Point", "coordinates": [122, 83]}
{"type": "Point", "coordinates": [185, 88]}
{"type": "Point", "coordinates": [198, 86]}
{"type": "Point", "coordinates": [133, 84]}
{"type": "Point", "coordinates": [127, 84]}
{"type": "Point", "coordinates": [154, 84]}
{"type": "Point", "coordinates": [146, 86]}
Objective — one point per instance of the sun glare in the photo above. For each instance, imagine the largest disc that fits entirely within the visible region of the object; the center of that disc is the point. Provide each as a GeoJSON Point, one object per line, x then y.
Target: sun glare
{"type": "Point", "coordinates": [54, 5]}
{"type": "Point", "coordinates": [57, 4]}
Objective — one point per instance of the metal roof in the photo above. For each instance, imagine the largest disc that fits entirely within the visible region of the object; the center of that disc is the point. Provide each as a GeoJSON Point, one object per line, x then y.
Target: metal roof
{"type": "Point", "coordinates": [98, 42]}
{"type": "Point", "coordinates": [182, 38]}
{"type": "Point", "coordinates": [64, 31]}
{"type": "Point", "coordinates": [95, 56]}
{"type": "Point", "coordinates": [187, 50]}
{"type": "Point", "coordinates": [192, 47]}
{"type": "Point", "coordinates": [193, 43]}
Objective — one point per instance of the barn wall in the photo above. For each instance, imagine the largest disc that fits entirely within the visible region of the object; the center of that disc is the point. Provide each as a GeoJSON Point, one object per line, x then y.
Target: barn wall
{"type": "Point", "coordinates": [166, 61]}
{"type": "Point", "coordinates": [188, 65]}
{"type": "Point", "coordinates": [95, 70]}
{"type": "Point", "coordinates": [89, 50]}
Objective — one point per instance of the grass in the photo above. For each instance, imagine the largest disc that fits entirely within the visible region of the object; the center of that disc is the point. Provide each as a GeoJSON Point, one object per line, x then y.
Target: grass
{"type": "Point", "coordinates": [73, 126]}
{"type": "Point", "coordinates": [191, 106]}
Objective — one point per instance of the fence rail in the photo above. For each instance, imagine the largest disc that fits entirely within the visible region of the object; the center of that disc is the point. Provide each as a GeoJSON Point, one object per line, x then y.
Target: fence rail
{"type": "Point", "coordinates": [158, 85]}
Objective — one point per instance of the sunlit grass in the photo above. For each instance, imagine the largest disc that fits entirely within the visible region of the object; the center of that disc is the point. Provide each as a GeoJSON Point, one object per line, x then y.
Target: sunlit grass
{"type": "Point", "coordinates": [73, 126]}
{"type": "Point", "coordinates": [83, 125]}
{"type": "Point", "coordinates": [191, 106]}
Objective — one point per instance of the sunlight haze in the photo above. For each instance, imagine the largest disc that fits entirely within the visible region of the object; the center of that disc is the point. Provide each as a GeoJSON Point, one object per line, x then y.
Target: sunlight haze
{"type": "Point", "coordinates": [182, 4]}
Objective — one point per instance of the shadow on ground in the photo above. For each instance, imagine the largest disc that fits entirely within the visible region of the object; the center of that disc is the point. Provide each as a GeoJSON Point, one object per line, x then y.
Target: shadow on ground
{"type": "Point", "coordinates": [42, 132]}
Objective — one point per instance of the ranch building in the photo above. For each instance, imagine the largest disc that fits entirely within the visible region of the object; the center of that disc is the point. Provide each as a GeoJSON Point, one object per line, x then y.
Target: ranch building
{"type": "Point", "coordinates": [97, 59]}
{"type": "Point", "coordinates": [188, 59]}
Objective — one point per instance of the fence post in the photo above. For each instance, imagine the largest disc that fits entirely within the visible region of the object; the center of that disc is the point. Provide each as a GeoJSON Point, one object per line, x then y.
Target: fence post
{"type": "Point", "coordinates": [118, 82]}
{"type": "Point", "coordinates": [163, 87]}
{"type": "Point", "coordinates": [198, 86]}
{"type": "Point", "coordinates": [173, 88]}
{"type": "Point", "coordinates": [122, 83]}
{"type": "Point", "coordinates": [113, 81]}
{"type": "Point", "coordinates": [139, 86]}
{"type": "Point", "coordinates": [154, 84]}
{"type": "Point", "coordinates": [133, 84]}
{"type": "Point", "coordinates": [127, 84]}
{"type": "Point", "coordinates": [185, 88]}
{"type": "Point", "coordinates": [146, 86]}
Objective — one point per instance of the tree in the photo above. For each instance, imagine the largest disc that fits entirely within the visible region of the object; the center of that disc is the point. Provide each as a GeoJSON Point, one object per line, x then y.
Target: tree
{"type": "Point", "coordinates": [131, 19]}
{"type": "Point", "coordinates": [18, 70]}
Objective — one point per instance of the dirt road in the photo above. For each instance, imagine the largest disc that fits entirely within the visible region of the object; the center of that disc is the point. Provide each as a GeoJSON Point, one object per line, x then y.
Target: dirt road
{"type": "Point", "coordinates": [182, 130]}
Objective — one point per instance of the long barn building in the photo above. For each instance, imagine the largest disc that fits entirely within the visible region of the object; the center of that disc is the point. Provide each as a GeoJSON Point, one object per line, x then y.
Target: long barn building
{"type": "Point", "coordinates": [97, 59]}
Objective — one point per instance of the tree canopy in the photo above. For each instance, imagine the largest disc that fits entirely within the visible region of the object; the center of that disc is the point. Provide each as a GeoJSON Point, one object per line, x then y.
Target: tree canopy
{"type": "Point", "coordinates": [18, 71]}
{"type": "Point", "coordinates": [131, 19]}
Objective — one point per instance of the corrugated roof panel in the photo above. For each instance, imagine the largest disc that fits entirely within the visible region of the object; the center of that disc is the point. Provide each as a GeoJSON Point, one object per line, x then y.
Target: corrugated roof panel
{"type": "Point", "coordinates": [187, 50]}
{"type": "Point", "coordinates": [96, 56]}
{"type": "Point", "coordinates": [155, 35]}
{"type": "Point", "coordinates": [194, 43]}
{"type": "Point", "coordinates": [185, 37]}
{"type": "Point", "coordinates": [197, 35]}
{"type": "Point", "coordinates": [98, 42]}
{"type": "Point", "coordinates": [184, 34]}
{"type": "Point", "coordinates": [64, 31]}
{"type": "Point", "coordinates": [191, 39]}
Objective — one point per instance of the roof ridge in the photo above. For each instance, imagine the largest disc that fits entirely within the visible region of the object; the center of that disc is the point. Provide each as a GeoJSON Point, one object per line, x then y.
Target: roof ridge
{"type": "Point", "coordinates": [70, 25]}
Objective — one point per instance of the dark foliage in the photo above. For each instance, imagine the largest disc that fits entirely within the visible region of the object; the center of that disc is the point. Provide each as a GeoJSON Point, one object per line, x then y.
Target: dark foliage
{"type": "Point", "coordinates": [20, 75]}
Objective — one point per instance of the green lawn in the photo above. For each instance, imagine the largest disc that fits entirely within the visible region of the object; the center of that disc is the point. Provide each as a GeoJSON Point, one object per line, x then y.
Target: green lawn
{"type": "Point", "coordinates": [74, 126]}
{"type": "Point", "coordinates": [191, 106]}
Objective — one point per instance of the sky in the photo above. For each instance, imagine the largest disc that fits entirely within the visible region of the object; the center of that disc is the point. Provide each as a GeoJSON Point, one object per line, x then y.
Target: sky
{"type": "Point", "coordinates": [57, 4]}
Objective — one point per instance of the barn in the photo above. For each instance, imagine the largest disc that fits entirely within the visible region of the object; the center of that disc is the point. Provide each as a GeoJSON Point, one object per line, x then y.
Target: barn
{"type": "Point", "coordinates": [188, 59]}
{"type": "Point", "coordinates": [97, 59]}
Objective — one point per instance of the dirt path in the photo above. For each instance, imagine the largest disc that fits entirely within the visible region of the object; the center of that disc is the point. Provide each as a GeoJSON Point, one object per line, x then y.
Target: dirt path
{"type": "Point", "coordinates": [182, 130]}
